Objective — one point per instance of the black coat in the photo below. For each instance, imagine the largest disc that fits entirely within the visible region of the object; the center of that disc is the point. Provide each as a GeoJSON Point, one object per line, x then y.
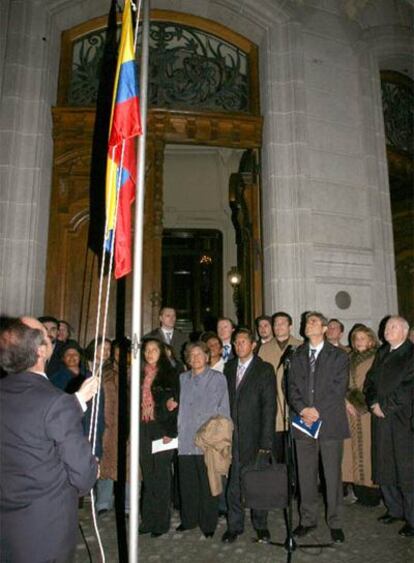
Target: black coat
{"type": "Point", "coordinates": [252, 407]}
{"type": "Point", "coordinates": [46, 464]}
{"type": "Point", "coordinates": [390, 382]}
{"type": "Point", "coordinates": [331, 383]}
{"type": "Point", "coordinates": [165, 386]}
{"type": "Point", "coordinates": [55, 361]}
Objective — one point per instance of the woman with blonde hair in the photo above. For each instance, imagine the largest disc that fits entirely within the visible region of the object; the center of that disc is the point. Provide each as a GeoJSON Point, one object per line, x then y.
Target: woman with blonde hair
{"type": "Point", "coordinates": [356, 465]}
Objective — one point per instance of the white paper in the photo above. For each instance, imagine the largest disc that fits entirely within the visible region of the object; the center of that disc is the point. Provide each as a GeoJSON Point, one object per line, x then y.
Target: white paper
{"type": "Point", "coordinates": [159, 446]}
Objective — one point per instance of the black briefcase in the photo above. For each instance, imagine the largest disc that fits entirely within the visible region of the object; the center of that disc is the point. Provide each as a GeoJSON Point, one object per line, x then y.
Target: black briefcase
{"type": "Point", "coordinates": [265, 484]}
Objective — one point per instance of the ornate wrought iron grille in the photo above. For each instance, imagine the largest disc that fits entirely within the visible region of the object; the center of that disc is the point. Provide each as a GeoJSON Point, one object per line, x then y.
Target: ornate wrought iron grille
{"type": "Point", "coordinates": [398, 107]}
{"type": "Point", "coordinates": [87, 53]}
{"type": "Point", "coordinates": [189, 69]}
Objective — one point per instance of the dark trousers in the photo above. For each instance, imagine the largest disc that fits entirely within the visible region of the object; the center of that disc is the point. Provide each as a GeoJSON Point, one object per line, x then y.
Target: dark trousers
{"type": "Point", "coordinates": [156, 486]}
{"type": "Point", "coordinates": [235, 506]}
{"type": "Point", "coordinates": [198, 506]}
{"type": "Point", "coordinates": [399, 503]}
{"type": "Point", "coordinates": [330, 451]}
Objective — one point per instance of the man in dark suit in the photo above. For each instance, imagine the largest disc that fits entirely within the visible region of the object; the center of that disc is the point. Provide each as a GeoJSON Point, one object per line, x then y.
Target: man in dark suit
{"type": "Point", "coordinates": [225, 331]}
{"type": "Point", "coordinates": [46, 460]}
{"type": "Point", "coordinates": [167, 332]}
{"type": "Point", "coordinates": [54, 363]}
{"type": "Point", "coordinates": [389, 391]}
{"type": "Point", "coordinates": [318, 381]}
{"type": "Point", "coordinates": [252, 393]}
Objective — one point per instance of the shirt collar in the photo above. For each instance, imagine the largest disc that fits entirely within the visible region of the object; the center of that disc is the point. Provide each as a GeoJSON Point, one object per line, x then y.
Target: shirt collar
{"type": "Point", "coordinates": [42, 373]}
{"type": "Point", "coordinates": [245, 364]}
{"type": "Point", "coordinates": [317, 348]}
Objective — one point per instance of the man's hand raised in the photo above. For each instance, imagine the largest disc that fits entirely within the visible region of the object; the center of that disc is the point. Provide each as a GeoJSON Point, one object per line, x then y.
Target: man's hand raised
{"type": "Point", "coordinates": [88, 388]}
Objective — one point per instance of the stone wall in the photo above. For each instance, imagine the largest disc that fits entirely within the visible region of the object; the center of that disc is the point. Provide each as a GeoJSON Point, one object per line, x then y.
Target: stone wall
{"type": "Point", "coordinates": [327, 219]}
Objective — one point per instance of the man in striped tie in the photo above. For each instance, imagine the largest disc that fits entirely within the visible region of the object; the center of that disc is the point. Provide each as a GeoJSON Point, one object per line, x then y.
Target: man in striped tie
{"type": "Point", "coordinates": [318, 381]}
{"type": "Point", "coordinates": [225, 330]}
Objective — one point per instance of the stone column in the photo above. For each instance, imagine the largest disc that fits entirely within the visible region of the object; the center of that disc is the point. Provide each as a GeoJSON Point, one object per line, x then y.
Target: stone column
{"type": "Point", "coordinates": [26, 155]}
{"type": "Point", "coordinates": [288, 283]}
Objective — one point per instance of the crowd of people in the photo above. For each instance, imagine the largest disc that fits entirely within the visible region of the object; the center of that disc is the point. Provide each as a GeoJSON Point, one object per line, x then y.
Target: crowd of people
{"type": "Point", "coordinates": [211, 407]}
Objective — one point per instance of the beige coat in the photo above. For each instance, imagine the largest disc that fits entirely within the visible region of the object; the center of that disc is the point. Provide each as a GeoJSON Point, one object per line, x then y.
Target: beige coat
{"type": "Point", "coordinates": [271, 352]}
{"type": "Point", "coordinates": [356, 463]}
{"type": "Point", "coordinates": [214, 438]}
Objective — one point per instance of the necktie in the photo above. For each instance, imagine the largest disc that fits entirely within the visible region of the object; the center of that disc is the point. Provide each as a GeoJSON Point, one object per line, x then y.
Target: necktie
{"type": "Point", "coordinates": [312, 364]}
{"type": "Point", "coordinates": [312, 360]}
{"type": "Point", "coordinates": [240, 373]}
{"type": "Point", "coordinates": [226, 352]}
{"type": "Point", "coordinates": [169, 337]}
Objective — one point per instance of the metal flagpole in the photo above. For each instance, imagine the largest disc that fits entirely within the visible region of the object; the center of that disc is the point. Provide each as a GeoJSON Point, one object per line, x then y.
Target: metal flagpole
{"type": "Point", "coordinates": [137, 293]}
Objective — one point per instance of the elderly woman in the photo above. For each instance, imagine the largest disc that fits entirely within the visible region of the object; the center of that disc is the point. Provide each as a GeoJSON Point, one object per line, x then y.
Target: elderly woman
{"type": "Point", "coordinates": [356, 466]}
{"type": "Point", "coordinates": [203, 394]}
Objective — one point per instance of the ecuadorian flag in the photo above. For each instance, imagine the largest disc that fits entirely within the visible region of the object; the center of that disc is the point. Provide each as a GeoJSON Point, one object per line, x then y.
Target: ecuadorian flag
{"type": "Point", "coordinates": [122, 165]}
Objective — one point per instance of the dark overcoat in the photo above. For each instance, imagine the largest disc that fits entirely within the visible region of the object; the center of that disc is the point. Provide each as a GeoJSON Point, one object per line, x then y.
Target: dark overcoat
{"type": "Point", "coordinates": [252, 407]}
{"type": "Point", "coordinates": [331, 383]}
{"type": "Point", "coordinates": [390, 382]}
{"type": "Point", "coordinates": [46, 463]}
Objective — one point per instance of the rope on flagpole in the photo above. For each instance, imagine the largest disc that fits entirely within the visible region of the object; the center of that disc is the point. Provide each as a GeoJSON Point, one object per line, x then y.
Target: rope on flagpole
{"type": "Point", "coordinates": [138, 11]}
{"type": "Point", "coordinates": [96, 399]}
{"type": "Point", "coordinates": [95, 403]}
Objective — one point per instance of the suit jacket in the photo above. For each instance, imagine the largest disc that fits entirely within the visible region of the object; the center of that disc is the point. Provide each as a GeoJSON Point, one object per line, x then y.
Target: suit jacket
{"type": "Point", "coordinates": [390, 382]}
{"type": "Point", "coordinates": [46, 464]}
{"type": "Point", "coordinates": [272, 353]}
{"type": "Point", "coordinates": [178, 341]}
{"type": "Point", "coordinates": [55, 361]}
{"type": "Point", "coordinates": [331, 383]}
{"type": "Point", "coordinates": [252, 407]}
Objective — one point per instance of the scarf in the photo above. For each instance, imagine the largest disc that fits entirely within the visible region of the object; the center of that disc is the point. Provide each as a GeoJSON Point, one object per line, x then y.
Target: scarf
{"type": "Point", "coordinates": [147, 404]}
{"type": "Point", "coordinates": [359, 357]}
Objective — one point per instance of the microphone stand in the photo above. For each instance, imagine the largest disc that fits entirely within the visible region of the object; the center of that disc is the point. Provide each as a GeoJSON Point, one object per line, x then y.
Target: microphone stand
{"type": "Point", "coordinates": [290, 544]}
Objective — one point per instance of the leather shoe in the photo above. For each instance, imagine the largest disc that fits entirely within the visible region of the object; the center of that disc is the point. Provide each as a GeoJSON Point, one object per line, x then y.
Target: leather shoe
{"type": "Point", "coordinates": [337, 535]}
{"type": "Point", "coordinates": [263, 535]}
{"type": "Point", "coordinates": [181, 528]}
{"type": "Point", "coordinates": [229, 537]}
{"type": "Point", "coordinates": [301, 531]}
{"type": "Point", "coordinates": [142, 531]}
{"type": "Point", "coordinates": [156, 534]}
{"type": "Point", "coordinates": [208, 534]}
{"type": "Point", "coordinates": [387, 518]}
{"type": "Point", "coordinates": [407, 531]}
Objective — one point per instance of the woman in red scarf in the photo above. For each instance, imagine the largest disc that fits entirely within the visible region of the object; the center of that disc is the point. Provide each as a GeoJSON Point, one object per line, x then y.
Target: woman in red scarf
{"type": "Point", "coordinates": [159, 384]}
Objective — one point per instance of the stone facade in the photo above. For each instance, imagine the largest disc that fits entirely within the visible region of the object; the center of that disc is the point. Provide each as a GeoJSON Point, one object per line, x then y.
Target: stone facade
{"type": "Point", "coordinates": [326, 206]}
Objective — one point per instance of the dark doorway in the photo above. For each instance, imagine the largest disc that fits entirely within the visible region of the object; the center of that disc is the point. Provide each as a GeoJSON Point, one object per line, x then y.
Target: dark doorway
{"type": "Point", "coordinates": [192, 274]}
{"type": "Point", "coordinates": [397, 102]}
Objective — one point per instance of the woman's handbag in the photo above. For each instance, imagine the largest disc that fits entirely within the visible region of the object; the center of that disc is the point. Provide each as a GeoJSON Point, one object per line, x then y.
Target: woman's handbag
{"type": "Point", "coordinates": [265, 483]}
